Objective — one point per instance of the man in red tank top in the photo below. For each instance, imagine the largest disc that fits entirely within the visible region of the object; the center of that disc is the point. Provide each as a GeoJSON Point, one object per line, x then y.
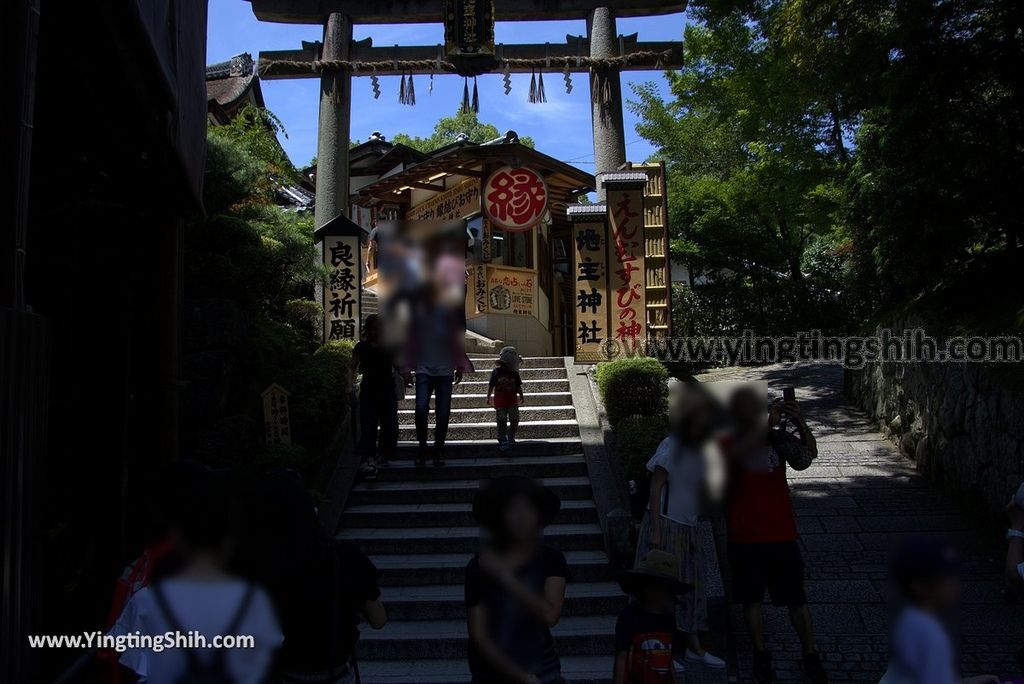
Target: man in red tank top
{"type": "Point", "coordinates": [764, 554]}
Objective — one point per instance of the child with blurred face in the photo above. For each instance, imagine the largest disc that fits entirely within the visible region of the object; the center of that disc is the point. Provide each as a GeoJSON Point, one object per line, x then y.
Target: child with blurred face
{"type": "Point", "coordinates": [505, 393]}
{"type": "Point", "coordinates": [515, 586]}
{"type": "Point", "coordinates": [646, 627]}
{"type": "Point", "coordinates": [926, 572]}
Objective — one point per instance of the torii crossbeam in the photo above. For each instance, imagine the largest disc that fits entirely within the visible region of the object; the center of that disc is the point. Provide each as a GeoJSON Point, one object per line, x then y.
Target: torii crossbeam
{"type": "Point", "coordinates": [366, 59]}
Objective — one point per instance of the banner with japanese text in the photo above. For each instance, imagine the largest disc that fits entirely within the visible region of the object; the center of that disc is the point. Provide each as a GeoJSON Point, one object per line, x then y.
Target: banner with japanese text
{"type": "Point", "coordinates": [590, 266]}
{"type": "Point", "coordinates": [454, 203]}
{"type": "Point", "coordinates": [626, 273]}
{"type": "Point", "coordinates": [341, 293]}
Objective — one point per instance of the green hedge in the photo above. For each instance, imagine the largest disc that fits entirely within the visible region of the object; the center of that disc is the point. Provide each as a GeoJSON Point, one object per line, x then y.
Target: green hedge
{"type": "Point", "coordinates": [320, 393]}
{"type": "Point", "coordinates": [633, 387]}
{"type": "Point", "coordinates": [636, 440]}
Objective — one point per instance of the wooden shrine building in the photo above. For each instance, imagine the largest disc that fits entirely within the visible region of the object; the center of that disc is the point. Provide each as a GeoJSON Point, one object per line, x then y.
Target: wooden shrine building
{"type": "Point", "coordinates": [526, 285]}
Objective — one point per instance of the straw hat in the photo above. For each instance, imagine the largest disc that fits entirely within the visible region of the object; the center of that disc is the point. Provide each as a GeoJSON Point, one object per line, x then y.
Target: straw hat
{"type": "Point", "coordinates": [656, 567]}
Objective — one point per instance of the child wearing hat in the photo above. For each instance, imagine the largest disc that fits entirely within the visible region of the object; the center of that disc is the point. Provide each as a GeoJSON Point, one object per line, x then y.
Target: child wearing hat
{"type": "Point", "coordinates": [505, 393]}
{"type": "Point", "coordinates": [645, 628]}
{"type": "Point", "coordinates": [515, 586]}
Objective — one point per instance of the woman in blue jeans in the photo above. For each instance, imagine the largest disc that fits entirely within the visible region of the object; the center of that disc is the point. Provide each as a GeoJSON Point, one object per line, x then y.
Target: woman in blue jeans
{"type": "Point", "coordinates": [439, 360]}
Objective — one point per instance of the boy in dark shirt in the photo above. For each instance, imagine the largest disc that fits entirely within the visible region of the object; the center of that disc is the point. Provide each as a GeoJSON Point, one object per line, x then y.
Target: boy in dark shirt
{"type": "Point", "coordinates": [506, 388]}
{"type": "Point", "coordinates": [645, 628]}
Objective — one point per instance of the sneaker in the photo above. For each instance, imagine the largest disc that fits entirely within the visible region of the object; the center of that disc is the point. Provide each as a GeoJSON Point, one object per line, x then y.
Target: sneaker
{"type": "Point", "coordinates": [368, 472]}
{"type": "Point", "coordinates": [705, 659]}
{"type": "Point", "coordinates": [813, 668]}
{"type": "Point", "coordinates": [678, 667]}
{"type": "Point", "coordinates": [764, 673]}
{"type": "Point", "coordinates": [503, 446]}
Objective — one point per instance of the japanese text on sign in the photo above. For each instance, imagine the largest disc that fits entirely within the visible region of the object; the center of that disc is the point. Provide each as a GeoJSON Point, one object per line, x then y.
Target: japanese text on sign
{"type": "Point", "coordinates": [511, 292]}
{"type": "Point", "coordinates": [341, 308]}
{"type": "Point", "coordinates": [453, 203]}
{"type": "Point", "coordinates": [626, 272]}
{"type": "Point", "coordinates": [277, 425]}
{"type": "Point", "coordinates": [590, 288]}
{"type": "Point", "coordinates": [515, 198]}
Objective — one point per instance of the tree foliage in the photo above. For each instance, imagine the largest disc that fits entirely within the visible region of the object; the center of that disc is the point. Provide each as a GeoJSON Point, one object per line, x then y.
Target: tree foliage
{"type": "Point", "coordinates": [250, 272]}
{"type": "Point", "coordinates": [448, 129]}
{"type": "Point", "coordinates": [842, 155]}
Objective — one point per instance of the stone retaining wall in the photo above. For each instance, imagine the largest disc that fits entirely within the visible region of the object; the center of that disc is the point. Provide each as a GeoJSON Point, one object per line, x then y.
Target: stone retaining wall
{"type": "Point", "coordinates": [959, 425]}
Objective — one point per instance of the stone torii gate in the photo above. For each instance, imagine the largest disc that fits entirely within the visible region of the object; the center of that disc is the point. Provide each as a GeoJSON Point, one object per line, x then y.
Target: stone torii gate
{"type": "Point", "coordinates": [602, 52]}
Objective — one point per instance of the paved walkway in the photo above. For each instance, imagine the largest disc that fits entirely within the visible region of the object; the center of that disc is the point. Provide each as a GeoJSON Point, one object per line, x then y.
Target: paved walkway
{"type": "Point", "coordinates": [860, 496]}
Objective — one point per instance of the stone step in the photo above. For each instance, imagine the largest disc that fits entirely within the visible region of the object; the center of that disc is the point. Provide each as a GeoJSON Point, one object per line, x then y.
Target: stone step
{"type": "Point", "coordinates": [411, 516]}
{"type": "Point", "coordinates": [530, 429]}
{"type": "Point", "coordinates": [385, 540]}
{"type": "Point", "coordinates": [485, 414]}
{"type": "Point", "coordinates": [447, 601]}
{"type": "Point", "coordinates": [477, 448]}
{"type": "Point", "coordinates": [444, 639]}
{"type": "Point", "coordinates": [480, 400]}
{"type": "Point", "coordinates": [483, 374]}
{"type": "Point", "coordinates": [426, 569]}
{"type": "Point", "coordinates": [484, 362]}
{"type": "Point", "coordinates": [575, 669]}
{"type": "Point", "coordinates": [469, 468]}
{"type": "Point", "coordinates": [457, 491]}
{"type": "Point", "coordinates": [468, 386]}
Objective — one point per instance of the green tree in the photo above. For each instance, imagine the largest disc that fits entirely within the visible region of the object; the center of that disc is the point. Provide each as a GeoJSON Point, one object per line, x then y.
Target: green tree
{"type": "Point", "coordinates": [448, 129]}
{"type": "Point", "coordinates": [753, 170]}
{"type": "Point", "coordinates": [250, 268]}
{"type": "Point", "coordinates": [933, 206]}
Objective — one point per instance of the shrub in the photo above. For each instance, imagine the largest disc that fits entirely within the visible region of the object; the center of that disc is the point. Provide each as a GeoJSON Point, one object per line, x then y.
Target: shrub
{"type": "Point", "coordinates": [636, 439]}
{"type": "Point", "coordinates": [319, 393]}
{"type": "Point", "coordinates": [633, 387]}
{"type": "Point", "coordinates": [305, 316]}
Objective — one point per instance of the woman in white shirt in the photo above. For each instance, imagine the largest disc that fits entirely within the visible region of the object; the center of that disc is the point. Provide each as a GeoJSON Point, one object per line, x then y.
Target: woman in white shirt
{"type": "Point", "coordinates": [670, 524]}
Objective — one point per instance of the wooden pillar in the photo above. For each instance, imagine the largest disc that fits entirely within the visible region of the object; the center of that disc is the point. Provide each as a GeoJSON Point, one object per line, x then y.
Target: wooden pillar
{"type": "Point", "coordinates": [605, 96]}
{"type": "Point", "coordinates": [335, 115]}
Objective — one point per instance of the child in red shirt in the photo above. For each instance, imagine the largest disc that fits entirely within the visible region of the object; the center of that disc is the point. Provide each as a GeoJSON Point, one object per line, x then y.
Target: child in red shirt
{"type": "Point", "coordinates": [506, 388]}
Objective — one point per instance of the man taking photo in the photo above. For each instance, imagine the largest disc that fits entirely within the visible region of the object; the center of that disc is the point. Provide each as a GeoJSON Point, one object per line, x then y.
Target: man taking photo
{"type": "Point", "coordinates": [764, 554]}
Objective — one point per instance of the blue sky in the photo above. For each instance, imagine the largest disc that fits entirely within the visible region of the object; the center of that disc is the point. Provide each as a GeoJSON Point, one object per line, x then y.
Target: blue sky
{"type": "Point", "coordinates": [560, 127]}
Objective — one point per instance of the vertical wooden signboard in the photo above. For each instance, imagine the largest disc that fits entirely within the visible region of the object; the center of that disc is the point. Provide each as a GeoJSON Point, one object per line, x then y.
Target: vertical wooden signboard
{"type": "Point", "coordinates": [276, 422]}
{"type": "Point", "coordinates": [339, 245]}
{"type": "Point", "coordinates": [626, 289]}
{"type": "Point", "coordinates": [590, 281]}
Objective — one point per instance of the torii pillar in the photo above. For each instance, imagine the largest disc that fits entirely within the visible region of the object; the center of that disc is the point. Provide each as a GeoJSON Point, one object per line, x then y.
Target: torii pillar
{"type": "Point", "coordinates": [335, 119]}
{"type": "Point", "coordinates": [605, 96]}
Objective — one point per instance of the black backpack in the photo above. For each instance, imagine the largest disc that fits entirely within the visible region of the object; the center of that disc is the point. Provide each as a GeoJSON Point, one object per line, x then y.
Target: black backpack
{"type": "Point", "coordinates": [197, 671]}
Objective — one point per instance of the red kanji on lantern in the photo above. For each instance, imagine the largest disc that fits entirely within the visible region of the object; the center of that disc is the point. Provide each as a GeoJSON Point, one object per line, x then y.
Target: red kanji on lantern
{"type": "Point", "coordinates": [515, 198]}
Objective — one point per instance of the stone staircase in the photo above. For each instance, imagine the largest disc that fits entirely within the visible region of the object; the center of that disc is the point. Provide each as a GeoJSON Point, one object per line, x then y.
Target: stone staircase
{"type": "Point", "coordinates": [418, 528]}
